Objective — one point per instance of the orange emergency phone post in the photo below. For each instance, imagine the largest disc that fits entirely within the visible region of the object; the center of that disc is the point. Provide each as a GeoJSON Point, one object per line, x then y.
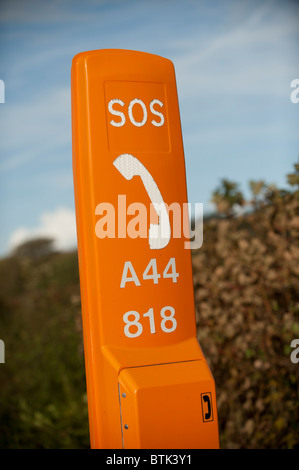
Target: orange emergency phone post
{"type": "Point", "coordinates": [148, 383]}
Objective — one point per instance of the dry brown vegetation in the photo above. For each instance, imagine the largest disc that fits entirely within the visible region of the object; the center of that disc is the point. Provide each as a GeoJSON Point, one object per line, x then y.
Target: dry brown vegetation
{"type": "Point", "coordinates": [246, 281]}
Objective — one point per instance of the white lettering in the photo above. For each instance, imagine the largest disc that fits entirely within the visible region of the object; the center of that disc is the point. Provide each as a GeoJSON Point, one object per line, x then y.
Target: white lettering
{"type": "Point", "coordinates": [124, 279]}
{"type": "Point", "coordinates": [157, 113]}
{"type": "Point", "coordinates": [2, 352]}
{"type": "Point", "coordinates": [150, 273]}
{"type": "Point", "coordinates": [2, 91]}
{"type": "Point", "coordinates": [137, 227]}
{"type": "Point", "coordinates": [295, 354]}
{"type": "Point", "coordinates": [130, 111]}
{"type": "Point", "coordinates": [153, 109]}
{"type": "Point", "coordinates": [117, 113]}
{"type": "Point", "coordinates": [135, 323]}
{"type": "Point", "coordinates": [118, 460]}
{"type": "Point", "coordinates": [105, 227]}
{"type": "Point", "coordinates": [295, 93]}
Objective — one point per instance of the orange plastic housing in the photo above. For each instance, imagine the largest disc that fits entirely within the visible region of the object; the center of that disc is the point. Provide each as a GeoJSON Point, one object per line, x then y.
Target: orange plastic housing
{"type": "Point", "coordinates": [148, 383]}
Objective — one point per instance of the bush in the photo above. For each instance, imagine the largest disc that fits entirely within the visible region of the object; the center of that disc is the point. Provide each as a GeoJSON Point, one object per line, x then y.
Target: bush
{"type": "Point", "coordinates": [246, 284]}
{"type": "Point", "coordinates": [43, 393]}
{"type": "Point", "coordinates": [246, 281]}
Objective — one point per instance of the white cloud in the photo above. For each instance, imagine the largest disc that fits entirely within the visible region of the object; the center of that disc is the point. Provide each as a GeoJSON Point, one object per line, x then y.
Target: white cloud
{"type": "Point", "coordinates": [59, 225]}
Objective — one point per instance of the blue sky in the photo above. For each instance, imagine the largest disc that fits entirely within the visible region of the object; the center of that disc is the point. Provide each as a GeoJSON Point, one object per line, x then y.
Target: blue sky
{"type": "Point", "coordinates": [234, 63]}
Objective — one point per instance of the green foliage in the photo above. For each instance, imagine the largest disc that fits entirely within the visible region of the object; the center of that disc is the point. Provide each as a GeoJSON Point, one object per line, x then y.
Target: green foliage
{"type": "Point", "coordinates": [259, 193]}
{"type": "Point", "coordinates": [293, 178]}
{"type": "Point", "coordinates": [43, 400]}
{"type": "Point", "coordinates": [227, 196]}
{"type": "Point", "coordinates": [36, 248]}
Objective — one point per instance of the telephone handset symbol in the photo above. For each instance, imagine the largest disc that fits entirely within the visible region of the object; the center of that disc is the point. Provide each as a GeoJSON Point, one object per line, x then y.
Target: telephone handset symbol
{"type": "Point", "coordinates": [129, 166]}
{"type": "Point", "coordinates": [207, 407]}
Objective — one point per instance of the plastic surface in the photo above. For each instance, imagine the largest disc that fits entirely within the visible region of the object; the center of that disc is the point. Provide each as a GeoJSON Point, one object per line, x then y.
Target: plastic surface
{"type": "Point", "coordinates": [168, 406]}
{"type": "Point", "coordinates": [136, 291]}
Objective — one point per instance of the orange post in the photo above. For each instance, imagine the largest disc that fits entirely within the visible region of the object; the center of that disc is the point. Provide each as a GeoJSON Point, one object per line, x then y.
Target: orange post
{"type": "Point", "coordinates": [148, 383]}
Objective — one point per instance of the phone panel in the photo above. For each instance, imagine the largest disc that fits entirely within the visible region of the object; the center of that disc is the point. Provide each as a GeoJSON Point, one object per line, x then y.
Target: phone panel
{"type": "Point", "coordinates": [135, 273]}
